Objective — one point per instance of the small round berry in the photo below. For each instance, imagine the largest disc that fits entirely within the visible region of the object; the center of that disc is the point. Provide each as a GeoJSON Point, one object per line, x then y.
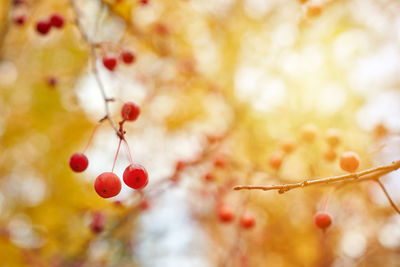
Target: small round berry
{"type": "Point", "coordinates": [209, 177]}
{"type": "Point", "coordinates": [275, 160]}
{"type": "Point", "coordinates": [225, 213]}
{"type": "Point", "coordinates": [130, 111]}
{"type": "Point", "coordinates": [322, 219]}
{"type": "Point", "coordinates": [314, 10]}
{"type": "Point", "coordinates": [78, 162]}
{"type": "Point", "coordinates": [56, 20]}
{"type": "Point", "coordinates": [330, 154]}
{"type": "Point", "coordinates": [349, 161]}
{"type": "Point", "coordinates": [135, 176]}
{"type": "Point", "coordinates": [43, 27]}
{"type": "Point", "coordinates": [128, 57]}
{"type": "Point", "coordinates": [110, 62]}
{"type": "Point", "coordinates": [309, 132]}
{"type": "Point", "coordinates": [247, 220]}
{"type": "Point", "coordinates": [220, 161]}
{"type": "Point", "coordinates": [333, 137]}
{"type": "Point", "coordinates": [98, 222]}
{"type": "Point", "coordinates": [144, 205]}
{"type": "Point", "coordinates": [288, 146]}
{"type": "Point", "coordinates": [380, 131]}
{"type": "Point", "coordinates": [19, 20]}
{"type": "Point", "coordinates": [107, 185]}
{"type": "Point", "coordinates": [52, 81]}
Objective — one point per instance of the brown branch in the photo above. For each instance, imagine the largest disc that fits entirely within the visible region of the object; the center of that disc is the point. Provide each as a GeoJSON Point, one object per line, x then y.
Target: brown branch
{"type": "Point", "coordinates": [388, 196]}
{"type": "Point", "coordinates": [94, 57]}
{"type": "Point", "coordinates": [369, 174]}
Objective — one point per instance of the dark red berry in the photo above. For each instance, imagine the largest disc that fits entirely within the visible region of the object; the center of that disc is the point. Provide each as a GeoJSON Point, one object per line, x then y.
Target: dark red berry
{"type": "Point", "coordinates": [107, 185]}
{"type": "Point", "coordinates": [128, 57]}
{"type": "Point", "coordinates": [144, 2]}
{"type": "Point", "coordinates": [19, 20]}
{"type": "Point", "coordinates": [18, 2]}
{"type": "Point", "coordinates": [225, 213]}
{"type": "Point", "coordinates": [52, 81]}
{"type": "Point", "coordinates": [110, 62]}
{"type": "Point", "coordinates": [135, 176]}
{"type": "Point", "coordinates": [56, 20]}
{"type": "Point", "coordinates": [209, 177]}
{"type": "Point", "coordinates": [43, 27]}
{"type": "Point", "coordinates": [98, 222]}
{"type": "Point", "coordinates": [322, 219]}
{"type": "Point", "coordinates": [247, 220]}
{"type": "Point", "coordinates": [130, 111]}
{"type": "Point", "coordinates": [78, 162]}
{"type": "Point", "coordinates": [144, 205]}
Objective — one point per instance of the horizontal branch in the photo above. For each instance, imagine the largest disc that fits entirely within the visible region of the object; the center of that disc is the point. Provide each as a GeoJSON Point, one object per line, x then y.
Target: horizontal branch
{"type": "Point", "coordinates": [369, 174]}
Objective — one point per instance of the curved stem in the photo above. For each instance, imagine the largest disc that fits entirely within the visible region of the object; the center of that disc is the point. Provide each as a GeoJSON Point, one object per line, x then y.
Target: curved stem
{"type": "Point", "coordinates": [388, 196]}
{"type": "Point", "coordinates": [116, 155]}
{"type": "Point", "coordinates": [128, 150]}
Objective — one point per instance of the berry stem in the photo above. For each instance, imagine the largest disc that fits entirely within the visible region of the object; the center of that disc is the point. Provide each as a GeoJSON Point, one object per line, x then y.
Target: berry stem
{"type": "Point", "coordinates": [91, 138]}
{"type": "Point", "coordinates": [128, 150]}
{"type": "Point", "coordinates": [328, 197]}
{"type": "Point", "coordinates": [116, 155]}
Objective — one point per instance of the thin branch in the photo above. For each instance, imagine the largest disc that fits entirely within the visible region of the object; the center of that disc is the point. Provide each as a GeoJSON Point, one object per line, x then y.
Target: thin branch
{"type": "Point", "coordinates": [94, 57]}
{"type": "Point", "coordinates": [369, 174]}
{"type": "Point", "coordinates": [388, 196]}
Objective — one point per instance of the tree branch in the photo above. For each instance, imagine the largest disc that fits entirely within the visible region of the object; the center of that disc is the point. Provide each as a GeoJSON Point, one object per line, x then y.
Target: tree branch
{"type": "Point", "coordinates": [94, 57]}
{"type": "Point", "coordinates": [369, 174]}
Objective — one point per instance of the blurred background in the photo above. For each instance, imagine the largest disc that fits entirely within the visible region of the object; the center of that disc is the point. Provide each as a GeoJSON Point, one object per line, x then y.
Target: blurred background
{"type": "Point", "coordinates": [230, 92]}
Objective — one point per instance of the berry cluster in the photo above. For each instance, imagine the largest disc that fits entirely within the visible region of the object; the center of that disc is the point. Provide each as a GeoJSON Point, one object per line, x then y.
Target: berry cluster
{"type": "Point", "coordinates": [108, 184]}
{"type": "Point", "coordinates": [56, 20]}
{"type": "Point", "coordinates": [110, 61]}
{"type": "Point", "coordinates": [226, 215]}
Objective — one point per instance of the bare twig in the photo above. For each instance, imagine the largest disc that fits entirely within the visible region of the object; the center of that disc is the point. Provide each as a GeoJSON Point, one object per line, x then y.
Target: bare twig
{"type": "Point", "coordinates": [94, 57]}
{"type": "Point", "coordinates": [369, 174]}
{"type": "Point", "coordinates": [388, 196]}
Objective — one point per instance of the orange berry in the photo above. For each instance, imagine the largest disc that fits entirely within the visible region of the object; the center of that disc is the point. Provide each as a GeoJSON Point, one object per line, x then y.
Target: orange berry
{"type": "Point", "coordinates": [333, 137]}
{"type": "Point", "coordinates": [288, 146]}
{"type": "Point", "coordinates": [225, 213]}
{"type": "Point", "coordinates": [380, 131]}
{"type": "Point", "coordinates": [247, 220]}
{"type": "Point", "coordinates": [322, 219]}
{"type": "Point", "coordinates": [309, 132]}
{"type": "Point", "coordinates": [349, 161]}
{"type": "Point", "coordinates": [275, 160]}
{"type": "Point", "coordinates": [330, 155]}
{"type": "Point", "coordinates": [314, 10]}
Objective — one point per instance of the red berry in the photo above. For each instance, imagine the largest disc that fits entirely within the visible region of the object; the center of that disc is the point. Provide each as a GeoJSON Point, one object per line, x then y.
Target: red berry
{"type": "Point", "coordinates": [225, 213]}
{"type": "Point", "coordinates": [247, 220]}
{"type": "Point", "coordinates": [78, 162]}
{"type": "Point", "coordinates": [349, 161]}
{"type": "Point", "coordinates": [220, 161]}
{"type": "Point", "coordinates": [110, 62]}
{"type": "Point", "coordinates": [19, 20]}
{"type": "Point", "coordinates": [144, 2]}
{"type": "Point", "coordinates": [98, 222]}
{"type": "Point", "coordinates": [130, 111]}
{"type": "Point", "coordinates": [128, 57]}
{"type": "Point", "coordinates": [322, 219]}
{"type": "Point", "coordinates": [209, 177]}
{"type": "Point", "coordinates": [135, 176]}
{"type": "Point", "coordinates": [56, 20]}
{"type": "Point", "coordinates": [43, 27]}
{"type": "Point", "coordinates": [107, 185]}
{"type": "Point", "coordinates": [52, 81]}
{"type": "Point", "coordinates": [144, 205]}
